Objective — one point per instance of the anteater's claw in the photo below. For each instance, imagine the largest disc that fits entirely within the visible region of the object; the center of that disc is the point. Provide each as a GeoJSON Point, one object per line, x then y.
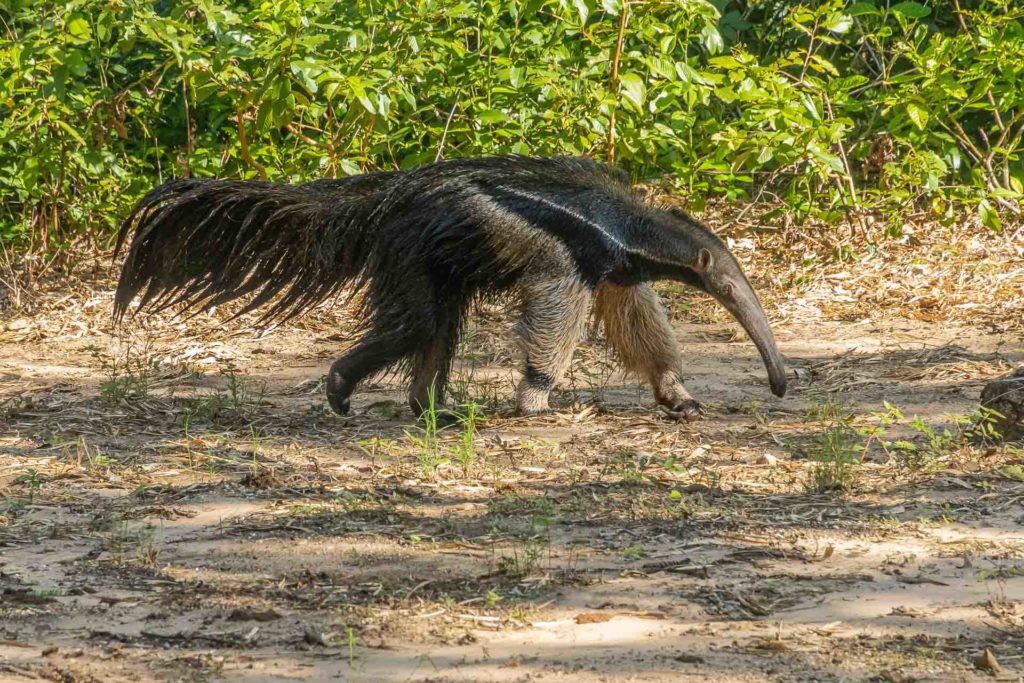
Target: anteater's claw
{"type": "Point", "coordinates": [686, 410]}
{"type": "Point", "coordinates": [339, 404]}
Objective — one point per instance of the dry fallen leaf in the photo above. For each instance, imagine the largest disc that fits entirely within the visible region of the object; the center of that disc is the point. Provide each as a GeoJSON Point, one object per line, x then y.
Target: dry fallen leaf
{"type": "Point", "coordinates": [986, 661]}
{"type": "Point", "coordinates": [593, 617]}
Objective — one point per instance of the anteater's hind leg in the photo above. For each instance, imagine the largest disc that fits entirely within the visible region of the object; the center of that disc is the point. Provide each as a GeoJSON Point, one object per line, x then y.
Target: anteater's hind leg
{"type": "Point", "coordinates": [382, 346]}
{"type": "Point", "coordinates": [431, 364]}
{"type": "Point", "coordinates": [554, 313]}
{"type": "Point", "coordinates": [639, 332]}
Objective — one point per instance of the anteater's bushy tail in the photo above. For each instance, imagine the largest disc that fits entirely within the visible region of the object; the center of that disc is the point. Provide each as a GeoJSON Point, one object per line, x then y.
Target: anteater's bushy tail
{"type": "Point", "coordinates": [201, 243]}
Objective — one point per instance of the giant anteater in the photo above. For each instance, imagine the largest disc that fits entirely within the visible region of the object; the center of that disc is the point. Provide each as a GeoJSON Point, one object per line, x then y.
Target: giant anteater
{"type": "Point", "coordinates": [421, 245]}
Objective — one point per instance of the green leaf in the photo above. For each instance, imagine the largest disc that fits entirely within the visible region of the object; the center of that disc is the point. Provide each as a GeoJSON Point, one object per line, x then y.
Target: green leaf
{"type": "Point", "coordinates": [712, 39]}
{"type": "Point", "coordinates": [858, 9]}
{"type": "Point", "coordinates": [918, 115]}
{"type": "Point", "coordinates": [79, 28]}
{"type": "Point", "coordinates": [71, 131]}
{"type": "Point", "coordinates": [581, 7]}
{"type": "Point", "coordinates": [632, 86]}
{"type": "Point", "coordinates": [687, 74]}
{"type": "Point", "coordinates": [725, 62]}
{"type": "Point", "coordinates": [911, 10]}
{"type": "Point", "coordinates": [838, 22]}
{"type": "Point", "coordinates": [989, 216]}
{"type": "Point", "coordinates": [491, 116]}
{"type": "Point", "coordinates": [611, 6]}
{"type": "Point", "coordinates": [830, 160]}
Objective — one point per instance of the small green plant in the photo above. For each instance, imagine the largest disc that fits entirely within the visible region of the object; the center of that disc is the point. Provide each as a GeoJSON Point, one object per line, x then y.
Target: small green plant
{"type": "Point", "coordinates": [930, 446]}
{"type": "Point", "coordinates": [516, 505]}
{"type": "Point", "coordinates": [529, 550]}
{"type": "Point", "coordinates": [465, 449]}
{"type": "Point", "coordinates": [350, 635]}
{"type": "Point", "coordinates": [254, 436]}
{"type": "Point", "coordinates": [1014, 472]}
{"type": "Point", "coordinates": [146, 551]}
{"type": "Point", "coordinates": [128, 376]}
{"type": "Point", "coordinates": [33, 480]}
{"type": "Point", "coordinates": [459, 384]}
{"type": "Point", "coordinates": [595, 375]}
{"type": "Point", "coordinates": [708, 476]}
{"type": "Point", "coordinates": [633, 553]}
{"type": "Point", "coordinates": [685, 506]}
{"type": "Point", "coordinates": [88, 457]}
{"type": "Point", "coordinates": [186, 422]}
{"type": "Point", "coordinates": [244, 396]}
{"type": "Point", "coordinates": [428, 446]}
{"type": "Point", "coordinates": [836, 451]}
{"type": "Point", "coordinates": [630, 465]}
{"type": "Point", "coordinates": [142, 540]}
{"type": "Point", "coordinates": [377, 447]}
{"type": "Point", "coordinates": [984, 425]}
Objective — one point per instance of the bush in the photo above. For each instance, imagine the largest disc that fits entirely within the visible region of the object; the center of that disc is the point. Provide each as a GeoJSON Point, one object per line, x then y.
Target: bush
{"type": "Point", "coordinates": [832, 106]}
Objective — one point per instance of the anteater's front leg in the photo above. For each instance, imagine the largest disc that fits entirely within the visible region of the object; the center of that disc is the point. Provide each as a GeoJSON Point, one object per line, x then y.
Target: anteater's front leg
{"type": "Point", "coordinates": [639, 332]}
{"type": "Point", "coordinates": [555, 311]}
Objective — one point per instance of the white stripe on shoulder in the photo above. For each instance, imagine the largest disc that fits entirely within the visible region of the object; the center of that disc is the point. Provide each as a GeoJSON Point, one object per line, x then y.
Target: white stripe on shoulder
{"type": "Point", "coordinates": [586, 221]}
{"type": "Point", "coordinates": [566, 210]}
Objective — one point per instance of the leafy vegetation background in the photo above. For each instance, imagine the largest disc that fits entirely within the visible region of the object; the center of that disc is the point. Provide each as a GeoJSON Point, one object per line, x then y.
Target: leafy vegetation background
{"type": "Point", "coordinates": [827, 108]}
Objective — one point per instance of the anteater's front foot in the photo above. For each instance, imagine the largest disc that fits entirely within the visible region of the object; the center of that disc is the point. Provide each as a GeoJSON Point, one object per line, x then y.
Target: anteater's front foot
{"type": "Point", "coordinates": [674, 399]}
{"type": "Point", "coordinates": [685, 410]}
{"type": "Point", "coordinates": [338, 390]}
{"type": "Point", "coordinates": [531, 400]}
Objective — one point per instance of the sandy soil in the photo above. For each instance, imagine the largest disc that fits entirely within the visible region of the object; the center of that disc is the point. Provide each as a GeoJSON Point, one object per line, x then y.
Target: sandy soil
{"type": "Point", "coordinates": [179, 505]}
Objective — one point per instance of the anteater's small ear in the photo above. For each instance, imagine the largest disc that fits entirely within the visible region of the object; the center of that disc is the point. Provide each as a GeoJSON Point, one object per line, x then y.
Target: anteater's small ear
{"type": "Point", "coordinates": [703, 262]}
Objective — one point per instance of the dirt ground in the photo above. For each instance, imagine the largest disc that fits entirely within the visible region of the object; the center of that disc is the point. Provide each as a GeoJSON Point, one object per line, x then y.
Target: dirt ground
{"type": "Point", "coordinates": [178, 504]}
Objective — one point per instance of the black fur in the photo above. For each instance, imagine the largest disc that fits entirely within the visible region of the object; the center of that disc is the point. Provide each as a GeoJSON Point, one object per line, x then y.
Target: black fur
{"type": "Point", "coordinates": [420, 245]}
{"type": "Point", "coordinates": [201, 243]}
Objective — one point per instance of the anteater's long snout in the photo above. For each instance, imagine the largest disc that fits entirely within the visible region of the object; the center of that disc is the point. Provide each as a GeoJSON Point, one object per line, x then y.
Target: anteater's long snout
{"type": "Point", "coordinates": [745, 307]}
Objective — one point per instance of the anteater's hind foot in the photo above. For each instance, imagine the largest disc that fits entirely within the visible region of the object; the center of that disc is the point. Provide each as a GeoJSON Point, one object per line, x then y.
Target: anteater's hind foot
{"type": "Point", "coordinates": [339, 391]}
{"type": "Point", "coordinates": [374, 352]}
{"type": "Point", "coordinates": [430, 367]}
{"type": "Point", "coordinates": [532, 399]}
{"type": "Point", "coordinates": [554, 314]}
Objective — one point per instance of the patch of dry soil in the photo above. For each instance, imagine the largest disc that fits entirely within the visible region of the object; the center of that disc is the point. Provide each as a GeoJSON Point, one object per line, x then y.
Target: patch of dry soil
{"type": "Point", "coordinates": [182, 507]}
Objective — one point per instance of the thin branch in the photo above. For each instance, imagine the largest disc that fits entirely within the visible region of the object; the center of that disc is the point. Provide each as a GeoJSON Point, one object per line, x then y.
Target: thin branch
{"type": "Point", "coordinates": [447, 125]}
{"type": "Point", "coordinates": [614, 83]}
{"type": "Point", "coordinates": [189, 133]}
{"type": "Point", "coordinates": [243, 142]}
{"type": "Point", "coordinates": [970, 36]}
{"type": "Point", "coordinates": [849, 174]}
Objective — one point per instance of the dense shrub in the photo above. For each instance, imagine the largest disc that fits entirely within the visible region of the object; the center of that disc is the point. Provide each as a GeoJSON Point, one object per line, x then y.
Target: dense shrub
{"type": "Point", "coordinates": [828, 105]}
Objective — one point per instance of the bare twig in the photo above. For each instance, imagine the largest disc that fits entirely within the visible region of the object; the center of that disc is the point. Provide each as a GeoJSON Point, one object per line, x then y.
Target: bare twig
{"type": "Point", "coordinates": [447, 125]}
{"type": "Point", "coordinates": [614, 83]}
{"type": "Point", "coordinates": [189, 133]}
{"type": "Point", "coordinates": [849, 176]}
{"type": "Point", "coordinates": [243, 142]}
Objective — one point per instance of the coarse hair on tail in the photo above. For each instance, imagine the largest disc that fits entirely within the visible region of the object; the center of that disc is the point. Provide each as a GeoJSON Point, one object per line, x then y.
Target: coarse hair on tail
{"type": "Point", "coordinates": [200, 243]}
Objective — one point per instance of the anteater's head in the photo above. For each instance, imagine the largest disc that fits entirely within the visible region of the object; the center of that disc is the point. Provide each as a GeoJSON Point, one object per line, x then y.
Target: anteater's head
{"type": "Point", "coordinates": [687, 251]}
